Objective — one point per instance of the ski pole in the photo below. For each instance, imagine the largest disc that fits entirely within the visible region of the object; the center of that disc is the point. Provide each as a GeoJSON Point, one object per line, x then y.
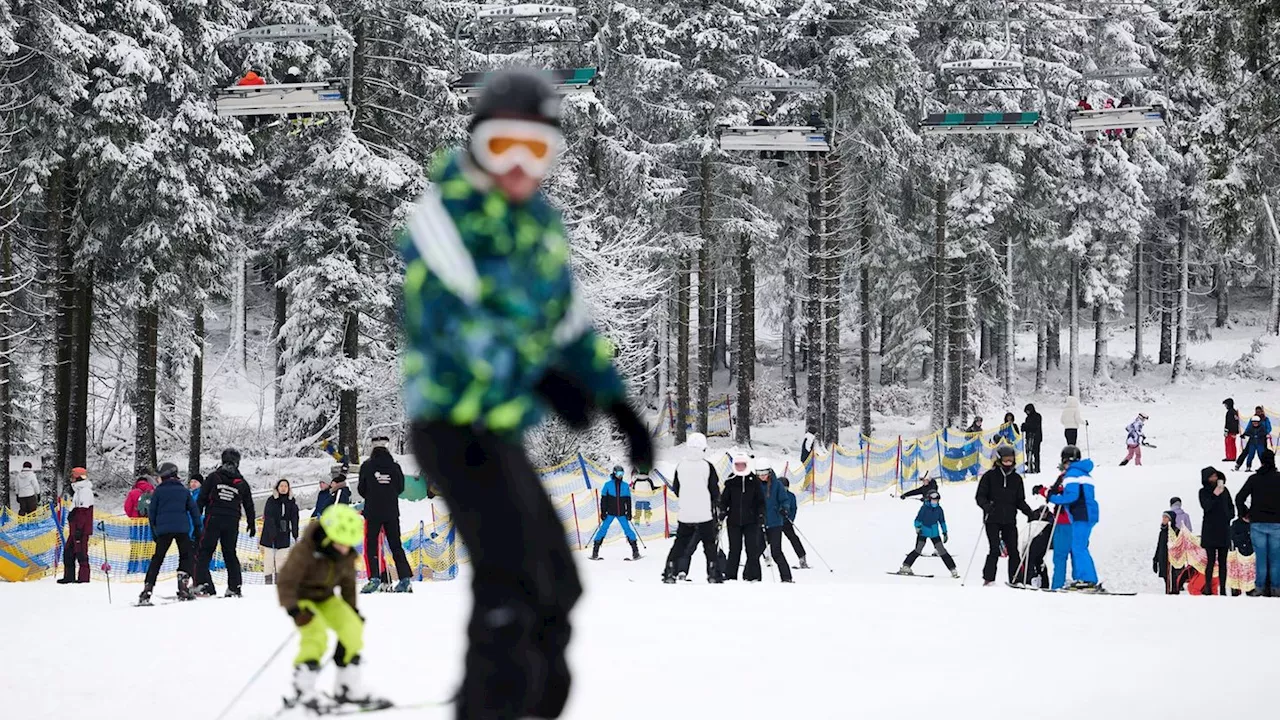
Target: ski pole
{"type": "Point", "coordinates": [811, 545]}
{"type": "Point", "coordinates": [254, 678]}
{"type": "Point", "coordinates": [106, 563]}
{"type": "Point", "coordinates": [974, 555]}
{"type": "Point", "coordinates": [1087, 447]}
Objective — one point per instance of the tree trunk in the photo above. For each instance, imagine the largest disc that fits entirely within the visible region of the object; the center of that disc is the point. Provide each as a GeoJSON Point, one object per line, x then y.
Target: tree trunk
{"type": "Point", "coordinates": [984, 342]}
{"type": "Point", "coordinates": [281, 265]}
{"type": "Point", "coordinates": [6, 359]}
{"type": "Point", "coordinates": [1167, 312]}
{"type": "Point", "coordinates": [1053, 344]}
{"type": "Point", "coordinates": [1273, 317]}
{"type": "Point", "coordinates": [864, 321]}
{"type": "Point", "coordinates": [958, 342]}
{"type": "Point", "coordinates": [1222, 289]}
{"type": "Point", "coordinates": [682, 349]}
{"type": "Point", "coordinates": [706, 308]}
{"type": "Point", "coordinates": [721, 345]}
{"type": "Point", "coordinates": [349, 397]}
{"type": "Point", "coordinates": [831, 366]}
{"type": "Point", "coordinates": [61, 190]}
{"type": "Point", "coordinates": [78, 431]}
{"type": "Point", "coordinates": [813, 305]}
{"type": "Point", "coordinates": [1007, 348]}
{"type": "Point", "coordinates": [789, 335]}
{"type": "Point", "coordinates": [1139, 311]}
{"type": "Point", "coordinates": [745, 339]}
{"type": "Point", "coordinates": [197, 394]}
{"type": "Point", "coordinates": [940, 300]}
{"type": "Point", "coordinates": [1073, 330]}
{"type": "Point", "coordinates": [1101, 338]}
{"type": "Point", "coordinates": [1184, 275]}
{"type": "Point", "coordinates": [239, 311]}
{"type": "Point", "coordinates": [147, 330]}
{"type": "Point", "coordinates": [1042, 355]}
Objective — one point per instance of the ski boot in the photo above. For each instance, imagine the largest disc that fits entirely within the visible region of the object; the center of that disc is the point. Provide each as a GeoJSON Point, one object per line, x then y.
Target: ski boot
{"type": "Point", "coordinates": [804, 563]}
{"type": "Point", "coordinates": [404, 586]}
{"type": "Point", "coordinates": [205, 590]}
{"type": "Point", "coordinates": [349, 688]}
{"type": "Point", "coordinates": [635, 550]}
{"type": "Point", "coordinates": [668, 579]}
{"type": "Point", "coordinates": [682, 575]}
{"type": "Point", "coordinates": [906, 570]}
{"type": "Point", "coordinates": [304, 688]}
{"type": "Point", "coordinates": [268, 579]}
{"type": "Point", "coordinates": [988, 583]}
{"type": "Point", "coordinates": [372, 586]}
{"type": "Point", "coordinates": [715, 579]}
{"type": "Point", "coordinates": [768, 561]}
{"type": "Point", "coordinates": [184, 586]}
{"type": "Point", "coordinates": [144, 599]}
{"type": "Point", "coordinates": [595, 551]}
{"type": "Point", "coordinates": [233, 592]}
{"type": "Point", "coordinates": [955, 574]}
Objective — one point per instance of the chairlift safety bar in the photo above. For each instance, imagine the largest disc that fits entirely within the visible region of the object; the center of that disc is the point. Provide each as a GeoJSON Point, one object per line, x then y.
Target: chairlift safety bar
{"type": "Point", "coordinates": [525, 11]}
{"type": "Point", "coordinates": [779, 84]}
{"type": "Point", "coordinates": [283, 33]}
{"type": "Point", "coordinates": [1114, 73]}
{"type": "Point", "coordinates": [1127, 118]}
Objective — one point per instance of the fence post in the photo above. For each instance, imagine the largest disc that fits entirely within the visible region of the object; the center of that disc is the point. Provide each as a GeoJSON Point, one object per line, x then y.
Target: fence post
{"type": "Point", "coordinates": [576, 527]}
{"type": "Point", "coordinates": [666, 514]}
{"type": "Point", "coordinates": [582, 463]}
{"type": "Point", "coordinates": [728, 406]}
{"type": "Point", "coordinates": [866, 463]}
{"type": "Point", "coordinates": [831, 479]}
{"type": "Point", "coordinates": [899, 469]}
{"type": "Point", "coordinates": [422, 547]}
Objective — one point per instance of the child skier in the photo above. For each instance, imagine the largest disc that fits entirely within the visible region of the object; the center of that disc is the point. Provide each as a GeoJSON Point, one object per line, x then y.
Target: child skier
{"type": "Point", "coordinates": [324, 560]}
{"type": "Point", "coordinates": [1174, 578]}
{"type": "Point", "coordinates": [931, 524]}
{"type": "Point", "coordinates": [615, 504]}
{"type": "Point", "coordinates": [1134, 440]}
{"type": "Point", "coordinates": [1255, 442]}
{"type": "Point", "coordinates": [789, 527]}
{"type": "Point", "coordinates": [1076, 497]}
{"type": "Point", "coordinates": [1039, 533]}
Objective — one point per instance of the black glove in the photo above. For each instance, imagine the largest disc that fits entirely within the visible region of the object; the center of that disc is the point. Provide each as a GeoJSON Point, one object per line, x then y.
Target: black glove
{"type": "Point", "coordinates": [1155, 566]}
{"type": "Point", "coordinates": [251, 528]}
{"type": "Point", "coordinates": [944, 538]}
{"type": "Point", "coordinates": [300, 617]}
{"type": "Point", "coordinates": [637, 434]}
{"type": "Point", "coordinates": [566, 398]}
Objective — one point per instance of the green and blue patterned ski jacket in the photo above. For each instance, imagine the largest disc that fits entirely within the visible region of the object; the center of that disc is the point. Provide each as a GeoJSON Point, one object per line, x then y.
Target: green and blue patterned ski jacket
{"type": "Point", "coordinates": [490, 307]}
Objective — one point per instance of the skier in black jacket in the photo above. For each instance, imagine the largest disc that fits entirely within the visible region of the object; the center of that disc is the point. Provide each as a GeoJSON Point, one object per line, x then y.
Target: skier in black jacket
{"type": "Point", "coordinates": [381, 483]}
{"type": "Point", "coordinates": [1033, 433]}
{"type": "Point", "coordinates": [742, 504]}
{"type": "Point", "coordinates": [222, 496]}
{"type": "Point", "coordinates": [1001, 495]}
{"type": "Point", "coordinates": [1262, 492]}
{"type": "Point", "coordinates": [1215, 531]}
{"type": "Point", "coordinates": [1231, 430]}
{"type": "Point", "coordinates": [930, 485]}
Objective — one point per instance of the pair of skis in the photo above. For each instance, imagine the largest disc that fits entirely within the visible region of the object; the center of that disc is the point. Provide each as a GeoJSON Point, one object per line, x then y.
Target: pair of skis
{"type": "Point", "coordinates": [333, 708]}
{"type": "Point", "coordinates": [1089, 590]}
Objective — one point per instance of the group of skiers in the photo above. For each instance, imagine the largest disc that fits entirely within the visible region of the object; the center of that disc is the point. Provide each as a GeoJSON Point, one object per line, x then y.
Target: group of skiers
{"type": "Point", "coordinates": [755, 508]}
{"type": "Point", "coordinates": [1065, 521]}
{"type": "Point", "coordinates": [1256, 433]}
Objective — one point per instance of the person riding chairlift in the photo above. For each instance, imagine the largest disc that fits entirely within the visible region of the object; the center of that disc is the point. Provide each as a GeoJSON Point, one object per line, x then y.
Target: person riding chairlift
{"type": "Point", "coordinates": [251, 79]}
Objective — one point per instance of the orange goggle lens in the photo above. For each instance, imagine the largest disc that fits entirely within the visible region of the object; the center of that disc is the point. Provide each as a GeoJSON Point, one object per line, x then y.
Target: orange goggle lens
{"type": "Point", "coordinates": [501, 145]}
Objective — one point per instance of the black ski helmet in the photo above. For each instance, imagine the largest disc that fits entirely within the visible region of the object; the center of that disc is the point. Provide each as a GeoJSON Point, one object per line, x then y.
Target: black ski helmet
{"type": "Point", "coordinates": [1070, 454]}
{"type": "Point", "coordinates": [168, 470]}
{"type": "Point", "coordinates": [618, 471]}
{"type": "Point", "coordinates": [518, 94]}
{"type": "Point", "coordinates": [231, 456]}
{"type": "Point", "coordinates": [1005, 451]}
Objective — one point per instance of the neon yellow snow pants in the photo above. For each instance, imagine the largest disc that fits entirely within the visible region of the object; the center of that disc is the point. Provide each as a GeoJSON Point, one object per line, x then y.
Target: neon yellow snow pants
{"type": "Point", "coordinates": [332, 614]}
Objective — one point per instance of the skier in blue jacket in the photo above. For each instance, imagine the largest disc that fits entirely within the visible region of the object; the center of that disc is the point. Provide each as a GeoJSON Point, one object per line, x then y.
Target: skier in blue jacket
{"type": "Point", "coordinates": [615, 504]}
{"type": "Point", "coordinates": [789, 527]}
{"type": "Point", "coordinates": [931, 524]}
{"type": "Point", "coordinates": [172, 514]}
{"type": "Point", "coordinates": [1077, 499]}
{"type": "Point", "coordinates": [777, 503]}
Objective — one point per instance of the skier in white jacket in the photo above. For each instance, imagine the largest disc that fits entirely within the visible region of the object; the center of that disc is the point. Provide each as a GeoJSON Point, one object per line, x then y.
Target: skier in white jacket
{"type": "Point", "coordinates": [1071, 420]}
{"type": "Point", "coordinates": [697, 486]}
{"type": "Point", "coordinates": [28, 490]}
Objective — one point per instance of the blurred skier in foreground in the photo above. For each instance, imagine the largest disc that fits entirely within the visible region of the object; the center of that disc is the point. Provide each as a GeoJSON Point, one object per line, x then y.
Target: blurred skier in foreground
{"type": "Point", "coordinates": [495, 333]}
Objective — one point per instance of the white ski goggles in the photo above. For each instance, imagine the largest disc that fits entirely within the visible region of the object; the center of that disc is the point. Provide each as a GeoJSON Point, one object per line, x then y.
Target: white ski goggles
{"type": "Point", "coordinates": [501, 145]}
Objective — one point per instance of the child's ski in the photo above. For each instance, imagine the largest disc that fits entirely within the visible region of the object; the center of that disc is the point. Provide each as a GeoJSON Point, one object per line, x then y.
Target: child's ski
{"type": "Point", "coordinates": [902, 574]}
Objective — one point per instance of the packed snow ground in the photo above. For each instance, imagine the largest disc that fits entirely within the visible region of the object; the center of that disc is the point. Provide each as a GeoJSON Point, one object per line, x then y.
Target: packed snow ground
{"type": "Point", "coordinates": [853, 642]}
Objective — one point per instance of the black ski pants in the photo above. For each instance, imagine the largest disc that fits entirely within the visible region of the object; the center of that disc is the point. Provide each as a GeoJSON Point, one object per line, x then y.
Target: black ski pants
{"type": "Point", "coordinates": [1072, 435]}
{"type": "Point", "coordinates": [750, 536]}
{"type": "Point", "coordinates": [688, 535]}
{"type": "Point", "coordinates": [524, 581]}
{"type": "Point", "coordinates": [1220, 555]}
{"type": "Point", "coordinates": [219, 530]}
{"type": "Point", "coordinates": [938, 548]}
{"type": "Point", "coordinates": [372, 548]}
{"type": "Point", "coordinates": [774, 534]}
{"type": "Point", "coordinates": [163, 542]}
{"type": "Point", "coordinates": [1034, 441]}
{"type": "Point", "coordinates": [1034, 565]}
{"type": "Point", "coordinates": [789, 529]}
{"type": "Point", "coordinates": [1008, 532]}
{"type": "Point", "coordinates": [28, 505]}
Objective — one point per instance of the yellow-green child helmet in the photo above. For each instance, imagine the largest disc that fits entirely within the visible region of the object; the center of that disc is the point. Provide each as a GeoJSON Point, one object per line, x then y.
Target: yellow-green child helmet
{"type": "Point", "coordinates": [342, 525]}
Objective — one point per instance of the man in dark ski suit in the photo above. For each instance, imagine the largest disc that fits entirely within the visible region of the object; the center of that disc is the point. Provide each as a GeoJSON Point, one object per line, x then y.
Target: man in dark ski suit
{"type": "Point", "coordinates": [381, 482]}
{"type": "Point", "coordinates": [742, 505]}
{"type": "Point", "coordinates": [222, 495]}
{"type": "Point", "coordinates": [494, 336]}
{"type": "Point", "coordinates": [1033, 432]}
{"type": "Point", "coordinates": [1001, 495]}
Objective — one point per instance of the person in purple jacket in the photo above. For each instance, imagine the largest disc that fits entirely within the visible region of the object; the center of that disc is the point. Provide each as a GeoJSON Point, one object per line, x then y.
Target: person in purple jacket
{"type": "Point", "coordinates": [1180, 515]}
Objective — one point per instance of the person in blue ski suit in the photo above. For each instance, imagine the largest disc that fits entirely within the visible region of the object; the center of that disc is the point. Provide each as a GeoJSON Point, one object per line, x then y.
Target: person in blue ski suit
{"type": "Point", "coordinates": [1255, 435]}
{"type": "Point", "coordinates": [1075, 498]}
{"type": "Point", "coordinates": [615, 504]}
{"type": "Point", "coordinates": [931, 525]}
{"type": "Point", "coordinates": [777, 506]}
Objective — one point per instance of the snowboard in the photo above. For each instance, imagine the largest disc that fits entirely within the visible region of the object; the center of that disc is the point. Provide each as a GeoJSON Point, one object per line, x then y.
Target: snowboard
{"type": "Point", "coordinates": [902, 574]}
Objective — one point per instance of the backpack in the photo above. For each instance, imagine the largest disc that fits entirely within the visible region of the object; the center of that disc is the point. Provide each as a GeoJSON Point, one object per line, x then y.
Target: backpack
{"type": "Point", "coordinates": [144, 504]}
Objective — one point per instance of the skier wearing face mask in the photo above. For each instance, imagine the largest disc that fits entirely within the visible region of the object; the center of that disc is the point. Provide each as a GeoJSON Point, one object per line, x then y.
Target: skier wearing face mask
{"type": "Point", "coordinates": [743, 506]}
{"type": "Point", "coordinates": [615, 504]}
{"type": "Point", "coordinates": [1001, 495]}
{"type": "Point", "coordinates": [931, 526]}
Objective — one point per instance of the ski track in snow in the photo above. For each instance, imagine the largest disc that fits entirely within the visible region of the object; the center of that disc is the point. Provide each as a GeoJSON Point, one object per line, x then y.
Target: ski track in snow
{"type": "Point", "coordinates": [853, 643]}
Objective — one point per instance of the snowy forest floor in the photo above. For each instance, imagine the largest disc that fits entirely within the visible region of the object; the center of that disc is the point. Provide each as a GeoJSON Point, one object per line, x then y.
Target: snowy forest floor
{"type": "Point", "coordinates": [852, 642]}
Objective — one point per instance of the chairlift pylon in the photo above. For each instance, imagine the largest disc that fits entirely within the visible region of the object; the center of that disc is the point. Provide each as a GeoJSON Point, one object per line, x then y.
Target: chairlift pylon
{"type": "Point", "coordinates": [775, 138]}
{"type": "Point", "coordinates": [301, 98]}
{"type": "Point", "coordinates": [565, 81]}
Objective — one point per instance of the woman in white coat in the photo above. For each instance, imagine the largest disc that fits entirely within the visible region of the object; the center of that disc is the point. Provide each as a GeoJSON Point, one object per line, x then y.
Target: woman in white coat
{"type": "Point", "coordinates": [1071, 420]}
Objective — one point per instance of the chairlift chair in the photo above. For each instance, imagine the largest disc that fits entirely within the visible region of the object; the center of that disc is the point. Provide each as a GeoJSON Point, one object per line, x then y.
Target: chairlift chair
{"type": "Point", "coordinates": [1131, 117]}
{"type": "Point", "coordinates": [983, 123]}
{"type": "Point", "coordinates": [565, 81]}
{"type": "Point", "coordinates": [775, 138]}
{"type": "Point", "coordinates": [283, 98]}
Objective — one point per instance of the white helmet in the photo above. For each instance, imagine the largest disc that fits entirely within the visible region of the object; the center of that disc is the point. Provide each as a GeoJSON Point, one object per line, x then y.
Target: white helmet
{"type": "Point", "coordinates": [293, 70]}
{"type": "Point", "coordinates": [696, 441]}
{"type": "Point", "coordinates": [745, 461]}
